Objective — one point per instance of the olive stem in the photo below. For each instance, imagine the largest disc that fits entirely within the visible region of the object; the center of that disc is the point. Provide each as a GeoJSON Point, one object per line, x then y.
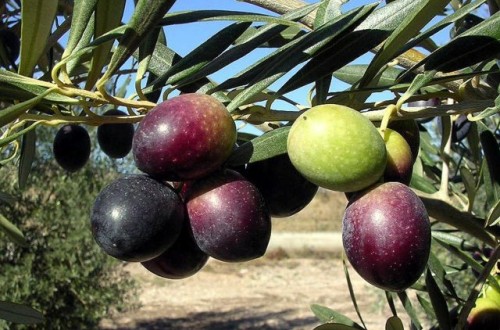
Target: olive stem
{"type": "Point", "coordinates": [445, 151]}
{"type": "Point", "coordinates": [389, 111]}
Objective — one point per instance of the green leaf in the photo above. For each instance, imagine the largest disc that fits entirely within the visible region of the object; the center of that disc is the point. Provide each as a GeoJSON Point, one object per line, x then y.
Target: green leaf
{"type": "Point", "coordinates": [491, 175]}
{"type": "Point", "coordinates": [265, 146]}
{"type": "Point", "coordinates": [146, 16]}
{"type": "Point", "coordinates": [221, 15]}
{"type": "Point", "coordinates": [490, 111]}
{"type": "Point", "coordinates": [163, 58]}
{"type": "Point", "coordinates": [426, 305]}
{"type": "Point", "coordinates": [108, 16]}
{"type": "Point", "coordinates": [327, 315]}
{"type": "Point", "coordinates": [440, 274]}
{"type": "Point", "coordinates": [438, 302]}
{"type": "Point", "coordinates": [351, 74]}
{"type": "Point", "coordinates": [477, 44]}
{"type": "Point", "coordinates": [11, 113]}
{"type": "Point", "coordinates": [18, 87]}
{"type": "Point", "coordinates": [202, 55]}
{"type": "Point", "coordinates": [351, 290]}
{"type": "Point", "coordinates": [36, 21]}
{"type": "Point", "coordinates": [28, 151]}
{"type": "Point", "coordinates": [12, 231]}
{"type": "Point", "coordinates": [274, 66]}
{"type": "Point", "coordinates": [422, 183]}
{"type": "Point", "coordinates": [454, 240]}
{"type": "Point", "coordinates": [370, 33]}
{"type": "Point", "coordinates": [394, 323]}
{"type": "Point", "coordinates": [409, 309]}
{"type": "Point", "coordinates": [82, 11]}
{"type": "Point", "coordinates": [418, 82]}
{"type": "Point", "coordinates": [390, 301]}
{"type": "Point", "coordinates": [75, 64]}
{"type": "Point", "coordinates": [493, 217]}
{"type": "Point", "coordinates": [328, 10]}
{"type": "Point", "coordinates": [415, 19]}
{"type": "Point", "coordinates": [455, 16]}
{"type": "Point", "coordinates": [470, 185]}
{"type": "Point", "coordinates": [14, 136]}
{"type": "Point", "coordinates": [18, 313]}
{"type": "Point", "coordinates": [335, 326]}
{"type": "Point", "coordinates": [252, 40]}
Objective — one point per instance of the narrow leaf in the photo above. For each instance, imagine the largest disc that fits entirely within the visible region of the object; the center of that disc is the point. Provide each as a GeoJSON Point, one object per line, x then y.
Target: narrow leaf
{"type": "Point", "coordinates": [493, 217]}
{"type": "Point", "coordinates": [426, 305]}
{"type": "Point", "coordinates": [409, 309]}
{"type": "Point", "coordinates": [18, 313]}
{"type": "Point", "coordinates": [335, 326]}
{"type": "Point", "coordinates": [327, 11]}
{"type": "Point", "coordinates": [351, 290]}
{"type": "Point", "coordinates": [12, 231]}
{"type": "Point", "coordinates": [146, 16]}
{"type": "Point", "coordinates": [28, 151]}
{"type": "Point", "coordinates": [454, 240]}
{"type": "Point", "coordinates": [36, 21]}
{"type": "Point", "coordinates": [82, 11]}
{"type": "Point", "coordinates": [470, 186]}
{"type": "Point", "coordinates": [244, 46]}
{"type": "Point", "coordinates": [440, 274]}
{"type": "Point", "coordinates": [327, 315]}
{"type": "Point", "coordinates": [438, 302]}
{"type": "Point", "coordinates": [222, 15]}
{"type": "Point", "coordinates": [265, 146]}
{"type": "Point", "coordinates": [449, 19]}
{"type": "Point", "coordinates": [491, 151]}
{"type": "Point", "coordinates": [477, 44]}
{"type": "Point", "coordinates": [415, 19]}
{"type": "Point", "coordinates": [23, 89]}
{"type": "Point", "coordinates": [202, 55]}
{"type": "Point", "coordinates": [108, 16]}
{"type": "Point", "coordinates": [298, 51]}
{"type": "Point", "coordinates": [370, 33]}
{"type": "Point", "coordinates": [11, 113]}
{"type": "Point", "coordinates": [351, 74]}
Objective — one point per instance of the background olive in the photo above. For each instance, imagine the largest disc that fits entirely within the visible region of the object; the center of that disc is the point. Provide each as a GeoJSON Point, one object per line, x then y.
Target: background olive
{"type": "Point", "coordinates": [71, 147]}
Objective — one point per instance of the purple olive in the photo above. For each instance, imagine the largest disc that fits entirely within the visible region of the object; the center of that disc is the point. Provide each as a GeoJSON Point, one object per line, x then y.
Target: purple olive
{"type": "Point", "coordinates": [228, 216]}
{"type": "Point", "coordinates": [184, 138]}
{"type": "Point", "coordinates": [387, 235]}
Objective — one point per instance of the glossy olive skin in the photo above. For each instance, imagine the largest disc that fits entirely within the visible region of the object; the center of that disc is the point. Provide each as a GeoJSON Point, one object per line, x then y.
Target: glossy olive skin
{"type": "Point", "coordinates": [228, 216]}
{"type": "Point", "coordinates": [184, 138]}
{"type": "Point", "coordinates": [115, 140]}
{"type": "Point", "coordinates": [183, 259]}
{"type": "Point", "coordinates": [136, 218]}
{"type": "Point", "coordinates": [337, 148]}
{"type": "Point", "coordinates": [284, 189]}
{"type": "Point", "coordinates": [72, 147]}
{"type": "Point", "coordinates": [387, 235]}
{"type": "Point", "coordinates": [399, 158]}
{"type": "Point", "coordinates": [411, 133]}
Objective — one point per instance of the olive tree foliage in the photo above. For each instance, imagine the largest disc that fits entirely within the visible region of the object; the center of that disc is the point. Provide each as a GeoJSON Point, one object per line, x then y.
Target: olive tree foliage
{"type": "Point", "coordinates": [55, 266]}
{"type": "Point", "coordinates": [53, 82]}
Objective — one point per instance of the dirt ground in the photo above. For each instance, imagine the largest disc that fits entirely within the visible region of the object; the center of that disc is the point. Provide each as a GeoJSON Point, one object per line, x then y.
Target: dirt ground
{"type": "Point", "coordinates": [301, 267]}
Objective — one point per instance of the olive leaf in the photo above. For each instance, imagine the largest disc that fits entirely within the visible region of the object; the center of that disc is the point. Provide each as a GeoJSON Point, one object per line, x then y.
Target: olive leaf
{"type": "Point", "coordinates": [36, 21]}
{"type": "Point", "coordinates": [17, 313]}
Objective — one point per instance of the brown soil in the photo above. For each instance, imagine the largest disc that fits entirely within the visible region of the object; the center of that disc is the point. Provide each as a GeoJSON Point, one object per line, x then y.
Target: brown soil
{"type": "Point", "coordinates": [273, 292]}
